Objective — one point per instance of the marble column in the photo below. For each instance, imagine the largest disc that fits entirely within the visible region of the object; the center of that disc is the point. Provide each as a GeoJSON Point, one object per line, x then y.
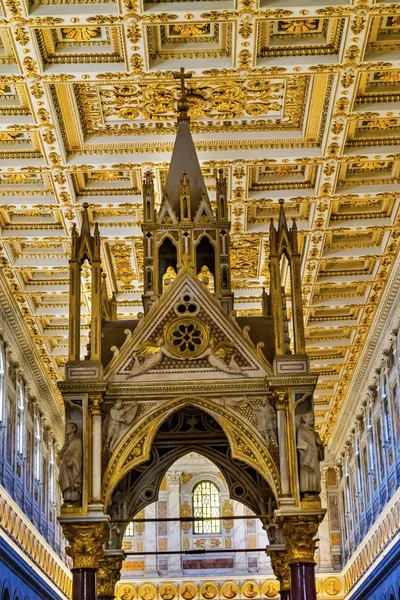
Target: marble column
{"type": "Point", "coordinates": [303, 580]}
{"type": "Point", "coordinates": [174, 528]}
{"type": "Point", "coordinates": [150, 540]}
{"type": "Point", "coordinates": [282, 406]}
{"type": "Point", "coordinates": [84, 584]}
{"type": "Point", "coordinates": [95, 409]}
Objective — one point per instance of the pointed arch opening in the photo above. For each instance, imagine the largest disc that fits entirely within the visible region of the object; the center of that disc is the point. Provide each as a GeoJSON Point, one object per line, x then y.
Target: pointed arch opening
{"type": "Point", "coordinates": [205, 255]}
{"type": "Point", "coordinates": [187, 429]}
{"type": "Point", "coordinates": [167, 258]}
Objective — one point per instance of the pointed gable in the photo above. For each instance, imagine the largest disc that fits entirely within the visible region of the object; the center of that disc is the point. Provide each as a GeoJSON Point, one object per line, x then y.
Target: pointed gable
{"type": "Point", "coordinates": [220, 350]}
{"type": "Point", "coordinates": [184, 159]}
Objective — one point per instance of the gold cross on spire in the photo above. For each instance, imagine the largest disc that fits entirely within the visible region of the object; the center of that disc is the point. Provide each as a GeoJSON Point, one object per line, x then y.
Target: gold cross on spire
{"type": "Point", "coordinates": [183, 103]}
{"type": "Point", "coordinates": [182, 76]}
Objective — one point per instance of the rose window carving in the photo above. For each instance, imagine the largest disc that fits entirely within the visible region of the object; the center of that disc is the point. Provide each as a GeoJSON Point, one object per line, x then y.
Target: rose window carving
{"type": "Point", "coordinates": [187, 338]}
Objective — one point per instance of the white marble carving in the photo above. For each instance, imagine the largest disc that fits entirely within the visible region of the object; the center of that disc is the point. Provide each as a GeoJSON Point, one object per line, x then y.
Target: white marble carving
{"type": "Point", "coordinates": [311, 451]}
{"type": "Point", "coordinates": [118, 421]}
{"type": "Point", "coordinates": [70, 462]}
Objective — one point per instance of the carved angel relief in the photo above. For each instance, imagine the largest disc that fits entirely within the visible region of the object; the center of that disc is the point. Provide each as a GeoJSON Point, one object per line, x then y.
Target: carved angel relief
{"type": "Point", "coordinates": [186, 339]}
{"type": "Point", "coordinates": [220, 355]}
{"type": "Point", "coordinates": [118, 421]}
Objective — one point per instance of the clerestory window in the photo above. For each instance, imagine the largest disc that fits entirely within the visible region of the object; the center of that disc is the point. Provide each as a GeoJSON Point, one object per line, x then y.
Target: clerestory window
{"type": "Point", "coordinates": [2, 379]}
{"type": "Point", "coordinates": [206, 505]}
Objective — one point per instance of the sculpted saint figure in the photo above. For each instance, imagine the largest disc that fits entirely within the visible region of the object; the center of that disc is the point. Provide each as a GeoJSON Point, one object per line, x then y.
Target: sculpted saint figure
{"type": "Point", "coordinates": [311, 452]}
{"type": "Point", "coordinates": [70, 461]}
{"type": "Point", "coordinates": [266, 420]}
{"type": "Point", "coordinates": [118, 421]}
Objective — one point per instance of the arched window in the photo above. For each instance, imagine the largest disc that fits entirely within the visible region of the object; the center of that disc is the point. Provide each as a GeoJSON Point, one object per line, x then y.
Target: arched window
{"type": "Point", "coordinates": [387, 422]}
{"type": "Point", "coordinates": [371, 442]}
{"type": "Point", "coordinates": [20, 417]}
{"type": "Point", "coordinates": [206, 505]}
{"type": "Point", "coordinates": [38, 444]}
{"type": "Point", "coordinates": [2, 379]}
{"type": "Point", "coordinates": [52, 490]}
{"type": "Point", "coordinates": [130, 530]}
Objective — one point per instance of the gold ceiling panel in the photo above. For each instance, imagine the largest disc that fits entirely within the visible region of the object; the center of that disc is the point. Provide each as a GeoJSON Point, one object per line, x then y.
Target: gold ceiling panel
{"type": "Point", "coordinates": [189, 41]}
{"type": "Point", "coordinates": [121, 116]}
{"type": "Point", "coordinates": [384, 35]}
{"type": "Point", "coordinates": [300, 103]}
{"type": "Point", "coordinates": [77, 45]}
{"type": "Point", "coordinates": [299, 37]}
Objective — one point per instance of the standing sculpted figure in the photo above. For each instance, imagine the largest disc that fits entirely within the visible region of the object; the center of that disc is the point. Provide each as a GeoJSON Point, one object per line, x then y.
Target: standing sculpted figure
{"type": "Point", "coordinates": [118, 421]}
{"type": "Point", "coordinates": [266, 421]}
{"type": "Point", "coordinates": [311, 451]}
{"type": "Point", "coordinates": [70, 462]}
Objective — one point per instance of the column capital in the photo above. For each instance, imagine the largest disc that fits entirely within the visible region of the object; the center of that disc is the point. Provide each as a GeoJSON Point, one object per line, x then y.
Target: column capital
{"type": "Point", "coordinates": [300, 536]}
{"type": "Point", "coordinates": [281, 568]}
{"type": "Point", "coordinates": [281, 399]}
{"type": "Point", "coordinates": [85, 542]}
{"type": "Point", "coordinates": [109, 574]}
{"type": "Point", "coordinates": [95, 402]}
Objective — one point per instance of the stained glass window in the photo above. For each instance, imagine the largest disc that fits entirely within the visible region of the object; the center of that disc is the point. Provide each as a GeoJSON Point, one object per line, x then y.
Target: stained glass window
{"type": "Point", "coordinates": [206, 505]}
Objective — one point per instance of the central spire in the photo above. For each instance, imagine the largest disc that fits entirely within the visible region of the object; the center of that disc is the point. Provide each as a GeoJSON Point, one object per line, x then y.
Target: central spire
{"type": "Point", "coordinates": [184, 162]}
{"type": "Point", "coordinates": [186, 230]}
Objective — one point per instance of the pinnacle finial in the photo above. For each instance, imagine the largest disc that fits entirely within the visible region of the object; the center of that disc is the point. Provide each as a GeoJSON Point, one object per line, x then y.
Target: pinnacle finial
{"type": "Point", "coordinates": [183, 102]}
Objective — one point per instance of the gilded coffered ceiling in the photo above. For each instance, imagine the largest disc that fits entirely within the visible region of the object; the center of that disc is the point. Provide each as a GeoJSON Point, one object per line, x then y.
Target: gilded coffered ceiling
{"type": "Point", "coordinates": [293, 100]}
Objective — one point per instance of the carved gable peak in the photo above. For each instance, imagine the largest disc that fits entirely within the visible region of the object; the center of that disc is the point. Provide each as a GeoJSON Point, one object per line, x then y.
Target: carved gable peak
{"type": "Point", "coordinates": [186, 336]}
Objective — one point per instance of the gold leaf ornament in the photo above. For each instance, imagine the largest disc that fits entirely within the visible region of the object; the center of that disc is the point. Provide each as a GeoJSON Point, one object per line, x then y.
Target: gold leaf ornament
{"type": "Point", "coordinates": [187, 30]}
{"type": "Point", "coordinates": [297, 26]}
{"type": "Point", "coordinates": [81, 34]}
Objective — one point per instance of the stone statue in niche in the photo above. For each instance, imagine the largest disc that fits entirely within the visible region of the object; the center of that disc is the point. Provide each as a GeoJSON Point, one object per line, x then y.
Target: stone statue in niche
{"type": "Point", "coordinates": [70, 462]}
{"type": "Point", "coordinates": [311, 452]}
{"type": "Point", "coordinates": [266, 421]}
{"type": "Point", "coordinates": [118, 421]}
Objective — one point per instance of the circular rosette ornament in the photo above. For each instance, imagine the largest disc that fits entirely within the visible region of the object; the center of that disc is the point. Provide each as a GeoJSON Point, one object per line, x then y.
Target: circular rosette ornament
{"type": "Point", "coordinates": [186, 338]}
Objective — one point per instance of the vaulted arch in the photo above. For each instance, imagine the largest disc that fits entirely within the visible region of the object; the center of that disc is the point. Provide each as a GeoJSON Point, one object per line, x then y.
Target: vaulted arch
{"type": "Point", "coordinates": [188, 429]}
{"type": "Point", "coordinates": [242, 444]}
